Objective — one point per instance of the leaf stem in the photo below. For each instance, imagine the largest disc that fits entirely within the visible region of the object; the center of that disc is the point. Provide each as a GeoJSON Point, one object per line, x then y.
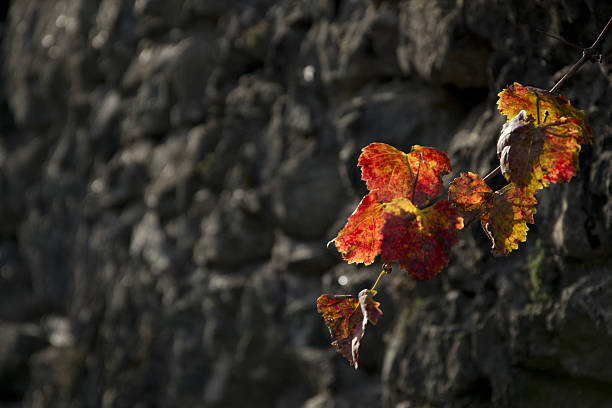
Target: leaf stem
{"type": "Point", "coordinates": [588, 54]}
{"type": "Point", "coordinates": [385, 269]}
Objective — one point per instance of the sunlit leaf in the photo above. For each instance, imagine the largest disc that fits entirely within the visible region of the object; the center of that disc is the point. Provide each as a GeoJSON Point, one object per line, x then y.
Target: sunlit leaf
{"type": "Point", "coordinates": [545, 108]}
{"type": "Point", "coordinates": [394, 174]}
{"type": "Point", "coordinates": [359, 241]}
{"type": "Point", "coordinates": [504, 218]}
{"type": "Point", "coordinates": [420, 240]}
{"type": "Point", "coordinates": [504, 214]}
{"type": "Point", "coordinates": [533, 156]}
{"type": "Point", "coordinates": [346, 318]}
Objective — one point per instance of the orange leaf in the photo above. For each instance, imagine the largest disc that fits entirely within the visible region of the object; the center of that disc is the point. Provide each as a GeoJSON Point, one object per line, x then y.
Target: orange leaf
{"type": "Point", "coordinates": [420, 240]}
{"type": "Point", "coordinates": [395, 174]}
{"type": "Point", "coordinates": [469, 192]}
{"type": "Point", "coordinates": [346, 318]}
{"type": "Point", "coordinates": [545, 108]}
{"type": "Point", "coordinates": [359, 241]}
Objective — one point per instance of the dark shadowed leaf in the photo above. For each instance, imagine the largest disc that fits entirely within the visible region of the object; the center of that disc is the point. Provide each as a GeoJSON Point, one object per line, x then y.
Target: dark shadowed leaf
{"type": "Point", "coordinates": [346, 317]}
{"type": "Point", "coordinates": [533, 156]}
{"type": "Point", "coordinates": [420, 240]}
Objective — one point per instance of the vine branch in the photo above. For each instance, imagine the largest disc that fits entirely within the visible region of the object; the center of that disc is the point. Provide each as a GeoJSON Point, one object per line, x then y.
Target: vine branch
{"type": "Point", "coordinates": [588, 54]}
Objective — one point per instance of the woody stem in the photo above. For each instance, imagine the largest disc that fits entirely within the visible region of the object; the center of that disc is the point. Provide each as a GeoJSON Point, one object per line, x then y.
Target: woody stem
{"type": "Point", "coordinates": [588, 54]}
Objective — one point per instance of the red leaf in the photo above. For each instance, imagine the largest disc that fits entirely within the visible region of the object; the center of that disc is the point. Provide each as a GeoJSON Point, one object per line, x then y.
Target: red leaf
{"type": "Point", "coordinates": [505, 218]}
{"type": "Point", "coordinates": [359, 241]}
{"type": "Point", "coordinates": [395, 174]}
{"type": "Point", "coordinates": [346, 318]}
{"type": "Point", "coordinates": [545, 108]}
{"type": "Point", "coordinates": [532, 156]}
{"type": "Point", "coordinates": [420, 240]}
{"type": "Point", "coordinates": [469, 192]}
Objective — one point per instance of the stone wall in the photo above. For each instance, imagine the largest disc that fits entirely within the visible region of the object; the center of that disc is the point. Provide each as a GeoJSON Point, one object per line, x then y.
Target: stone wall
{"type": "Point", "coordinates": [170, 172]}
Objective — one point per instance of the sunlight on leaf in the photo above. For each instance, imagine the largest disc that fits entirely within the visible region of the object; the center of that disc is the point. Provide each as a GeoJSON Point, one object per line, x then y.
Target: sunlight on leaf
{"type": "Point", "coordinates": [505, 218]}
{"type": "Point", "coordinates": [394, 174]}
{"type": "Point", "coordinates": [359, 241]}
{"type": "Point", "coordinates": [545, 108]}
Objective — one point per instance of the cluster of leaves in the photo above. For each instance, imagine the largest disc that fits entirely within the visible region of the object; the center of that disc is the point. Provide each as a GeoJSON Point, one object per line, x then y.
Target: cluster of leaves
{"type": "Point", "coordinates": [538, 145]}
{"type": "Point", "coordinates": [395, 219]}
{"type": "Point", "coordinates": [400, 220]}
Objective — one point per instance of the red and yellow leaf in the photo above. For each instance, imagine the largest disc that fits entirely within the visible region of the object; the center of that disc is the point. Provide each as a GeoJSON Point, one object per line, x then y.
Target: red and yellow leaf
{"type": "Point", "coordinates": [394, 174]}
{"type": "Point", "coordinates": [469, 192]}
{"type": "Point", "coordinates": [346, 318]}
{"type": "Point", "coordinates": [360, 239]}
{"type": "Point", "coordinates": [505, 216]}
{"type": "Point", "coordinates": [545, 108]}
{"type": "Point", "coordinates": [420, 240]}
{"type": "Point", "coordinates": [533, 156]}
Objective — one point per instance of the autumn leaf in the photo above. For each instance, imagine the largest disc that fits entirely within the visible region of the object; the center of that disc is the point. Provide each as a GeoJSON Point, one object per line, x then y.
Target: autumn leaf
{"type": "Point", "coordinates": [469, 192]}
{"type": "Point", "coordinates": [346, 318]}
{"type": "Point", "coordinates": [360, 239]}
{"type": "Point", "coordinates": [394, 174]}
{"type": "Point", "coordinates": [505, 218]}
{"type": "Point", "coordinates": [389, 173]}
{"type": "Point", "coordinates": [504, 214]}
{"type": "Point", "coordinates": [545, 108]}
{"type": "Point", "coordinates": [420, 240]}
{"type": "Point", "coordinates": [533, 156]}
{"type": "Point", "coordinates": [541, 140]}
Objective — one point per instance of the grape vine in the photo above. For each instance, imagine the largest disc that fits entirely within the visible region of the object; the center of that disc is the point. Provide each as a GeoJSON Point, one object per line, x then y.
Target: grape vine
{"type": "Point", "coordinates": [400, 220]}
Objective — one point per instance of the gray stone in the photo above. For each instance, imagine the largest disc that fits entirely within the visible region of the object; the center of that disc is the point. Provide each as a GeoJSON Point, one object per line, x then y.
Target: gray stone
{"type": "Point", "coordinates": [233, 237]}
{"type": "Point", "coordinates": [17, 344]}
{"type": "Point", "coordinates": [308, 196]}
{"type": "Point", "coordinates": [170, 173]}
{"type": "Point", "coordinates": [433, 43]}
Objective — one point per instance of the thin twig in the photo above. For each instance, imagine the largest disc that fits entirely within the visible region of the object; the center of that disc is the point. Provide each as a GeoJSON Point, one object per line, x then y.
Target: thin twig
{"type": "Point", "coordinates": [569, 73]}
{"type": "Point", "coordinates": [563, 40]}
{"type": "Point", "coordinates": [602, 35]}
{"type": "Point", "coordinates": [587, 55]}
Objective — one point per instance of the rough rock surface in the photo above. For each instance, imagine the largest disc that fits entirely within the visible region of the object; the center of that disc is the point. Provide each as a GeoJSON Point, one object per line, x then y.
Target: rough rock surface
{"type": "Point", "coordinates": [170, 172]}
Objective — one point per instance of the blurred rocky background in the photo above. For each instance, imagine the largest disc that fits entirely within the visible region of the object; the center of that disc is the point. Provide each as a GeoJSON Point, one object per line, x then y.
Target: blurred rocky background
{"type": "Point", "coordinates": [170, 172]}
